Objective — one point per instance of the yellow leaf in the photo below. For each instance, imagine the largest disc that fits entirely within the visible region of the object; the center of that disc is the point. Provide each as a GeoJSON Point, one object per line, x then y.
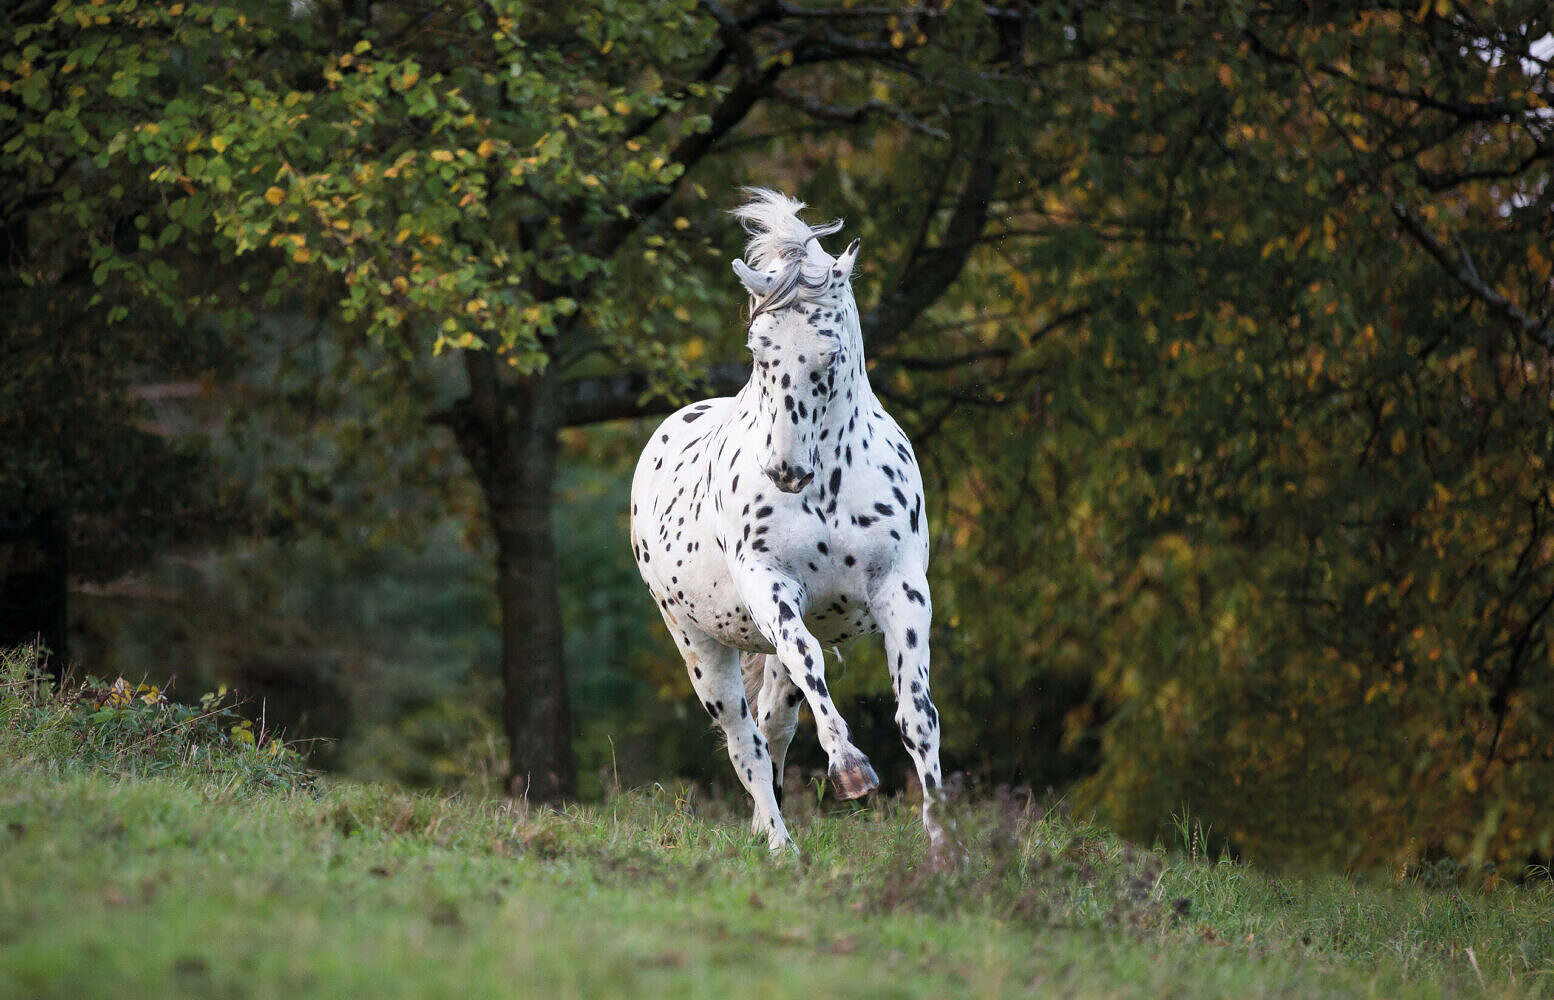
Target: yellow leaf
{"type": "Point", "coordinates": [681, 222]}
{"type": "Point", "coordinates": [362, 46]}
{"type": "Point", "coordinates": [275, 196]}
{"type": "Point", "coordinates": [442, 156]}
{"type": "Point", "coordinates": [1539, 264]}
{"type": "Point", "coordinates": [622, 108]}
{"type": "Point", "coordinates": [591, 181]}
{"type": "Point", "coordinates": [1227, 76]}
{"type": "Point", "coordinates": [175, 10]}
{"type": "Point", "coordinates": [218, 143]}
{"type": "Point", "coordinates": [484, 149]}
{"type": "Point", "coordinates": [897, 40]}
{"type": "Point", "coordinates": [302, 255]}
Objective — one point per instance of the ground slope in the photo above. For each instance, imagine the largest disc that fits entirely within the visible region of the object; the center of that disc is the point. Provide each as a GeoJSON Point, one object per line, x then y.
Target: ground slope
{"type": "Point", "coordinates": [134, 885]}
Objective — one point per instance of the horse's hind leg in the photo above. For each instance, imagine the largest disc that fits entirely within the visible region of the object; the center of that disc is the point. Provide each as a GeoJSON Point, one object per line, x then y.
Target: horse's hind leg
{"type": "Point", "coordinates": [714, 670]}
{"type": "Point", "coordinates": [776, 702]}
{"type": "Point", "coordinates": [901, 605]}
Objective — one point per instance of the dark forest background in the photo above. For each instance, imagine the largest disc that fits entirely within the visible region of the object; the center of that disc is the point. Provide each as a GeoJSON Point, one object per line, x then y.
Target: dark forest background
{"type": "Point", "coordinates": [331, 332]}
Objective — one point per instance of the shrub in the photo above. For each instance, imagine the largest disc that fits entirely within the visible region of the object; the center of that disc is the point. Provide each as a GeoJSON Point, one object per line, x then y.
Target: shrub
{"type": "Point", "coordinates": [135, 729]}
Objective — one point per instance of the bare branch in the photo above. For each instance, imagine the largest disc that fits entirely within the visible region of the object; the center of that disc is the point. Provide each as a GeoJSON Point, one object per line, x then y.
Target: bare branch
{"type": "Point", "coordinates": [856, 114]}
{"type": "Point", "coordinates": [945, 363]}
{"type": "Point", "coordinates": [926, 364]}
{"type": "Point", "coordinates": [1467, 111]}
{"type": "Point", "coordinates": [1460, 267]}
{"type": "Point", "coordinates": [928, 271]}
{"type": "Point", "coordinates": [596, 399]}
{"type": "Point", "coordinates": [1437, 182]}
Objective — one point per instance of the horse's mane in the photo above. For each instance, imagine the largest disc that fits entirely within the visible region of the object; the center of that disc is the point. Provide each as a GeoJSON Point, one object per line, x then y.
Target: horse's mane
{"type": "Point", "coordinates": [779, 241]}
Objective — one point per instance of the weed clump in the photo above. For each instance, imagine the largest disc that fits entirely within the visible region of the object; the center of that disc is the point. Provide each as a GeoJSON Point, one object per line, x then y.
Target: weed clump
{"type": "Point", "coordinates": [134, 729]}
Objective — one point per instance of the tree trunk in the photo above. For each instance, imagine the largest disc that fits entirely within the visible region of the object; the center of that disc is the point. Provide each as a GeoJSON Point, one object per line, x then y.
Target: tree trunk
{"type": "Point", "coordinates": [34, 578]}
{"type": "Point", "coordinates": [508, 431]}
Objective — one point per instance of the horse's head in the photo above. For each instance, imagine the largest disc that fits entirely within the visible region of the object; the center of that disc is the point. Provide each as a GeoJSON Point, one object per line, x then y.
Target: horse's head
{"type": "Point", "coordinates": [801, 312]}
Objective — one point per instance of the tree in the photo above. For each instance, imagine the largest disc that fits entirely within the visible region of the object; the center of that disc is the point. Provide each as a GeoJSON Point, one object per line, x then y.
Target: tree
{"type": "Point", "coordinates": [88, 487]}
{"type": "Point", "coordinates": [476, 177]}
{"type": "Point", "coordinates": [1280, 493]}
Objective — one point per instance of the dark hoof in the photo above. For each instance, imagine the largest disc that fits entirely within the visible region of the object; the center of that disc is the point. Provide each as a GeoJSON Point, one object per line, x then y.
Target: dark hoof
{"type": "Point", "coordinates": [854, 781]}
{"type": "Point", "coordinates": [947, 855]}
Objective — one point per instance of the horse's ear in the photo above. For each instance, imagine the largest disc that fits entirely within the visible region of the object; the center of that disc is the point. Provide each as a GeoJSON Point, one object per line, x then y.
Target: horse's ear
{"type": "Point", "coordinates": [757, 283]}
{"type": "Point", "coordinates": [843, 268]}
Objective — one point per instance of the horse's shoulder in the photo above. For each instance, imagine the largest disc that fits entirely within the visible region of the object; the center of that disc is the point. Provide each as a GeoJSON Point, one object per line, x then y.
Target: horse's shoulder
{"type": "Point", "coordinates": [689, 421]}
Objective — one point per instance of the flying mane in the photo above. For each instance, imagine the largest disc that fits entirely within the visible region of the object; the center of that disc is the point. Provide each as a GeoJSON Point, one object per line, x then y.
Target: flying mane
{"type": "Point", "coordinates": [780, 243]}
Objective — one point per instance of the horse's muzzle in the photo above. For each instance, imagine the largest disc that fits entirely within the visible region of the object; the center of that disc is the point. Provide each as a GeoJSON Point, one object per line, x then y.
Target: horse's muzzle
{"type": "Point", "coordinates": [789, 478]}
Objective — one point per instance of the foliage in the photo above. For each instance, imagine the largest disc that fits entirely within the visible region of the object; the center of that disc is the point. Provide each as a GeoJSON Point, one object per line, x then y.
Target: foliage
{"type": "Point", "coordinates": [374, 168]}
{"type": "Point", "coordinates": [1278, 490]}
{"type": "Point", "coordinates": [1240, 432]}
{"type": "Point", "coordinates": [134, 730]}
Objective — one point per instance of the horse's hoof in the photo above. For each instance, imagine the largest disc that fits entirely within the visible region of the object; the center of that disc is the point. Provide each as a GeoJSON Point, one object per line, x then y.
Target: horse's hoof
{"type": "Point", "coordinates": [854, 781]}
{"type": "Point", "coordinates": [947, 855]}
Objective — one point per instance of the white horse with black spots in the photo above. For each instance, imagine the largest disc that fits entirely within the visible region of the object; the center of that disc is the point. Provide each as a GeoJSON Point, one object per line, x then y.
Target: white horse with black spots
{"type": "Point", "coordinates": [788, 518]}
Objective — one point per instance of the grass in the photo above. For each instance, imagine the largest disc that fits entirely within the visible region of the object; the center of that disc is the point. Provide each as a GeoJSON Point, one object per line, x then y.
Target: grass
{"type": "Point", "coordinates": [130, 880]}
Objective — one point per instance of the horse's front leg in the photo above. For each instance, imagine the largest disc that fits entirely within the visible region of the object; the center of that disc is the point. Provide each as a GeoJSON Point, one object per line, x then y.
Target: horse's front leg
{"type": "Point", "coordinates": [901, 606]}
{"type": "Point", "coordinates": [776, 604]}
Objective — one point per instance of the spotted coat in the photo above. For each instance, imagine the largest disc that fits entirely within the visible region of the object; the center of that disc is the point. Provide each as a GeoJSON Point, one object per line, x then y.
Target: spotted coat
{"type": "Point", "coordinates": [788, 518]}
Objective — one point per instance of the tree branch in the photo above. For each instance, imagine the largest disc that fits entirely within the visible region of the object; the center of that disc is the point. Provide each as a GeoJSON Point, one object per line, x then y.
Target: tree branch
{"type": "Point", "coordinates": [1459, 267]}
{"type": "Point", "coordinates": [929, 271]}
{"type": "Point", "coordinates": [596, 399]}
{"type": "Point", "coordinates": [1438, 182]}
{"type": "Point", "coordinates": [857, 114]}
{"type": "Point", "coordinates": [1462, 270]}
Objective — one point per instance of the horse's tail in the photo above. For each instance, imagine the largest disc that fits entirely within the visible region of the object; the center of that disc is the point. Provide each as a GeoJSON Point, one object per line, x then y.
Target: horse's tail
{"type": "Point", "coordinates": [753, 666]}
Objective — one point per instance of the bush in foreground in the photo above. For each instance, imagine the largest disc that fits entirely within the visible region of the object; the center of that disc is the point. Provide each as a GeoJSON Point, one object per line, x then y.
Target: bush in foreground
{"type": "Point", "coordinates": [134, 729]}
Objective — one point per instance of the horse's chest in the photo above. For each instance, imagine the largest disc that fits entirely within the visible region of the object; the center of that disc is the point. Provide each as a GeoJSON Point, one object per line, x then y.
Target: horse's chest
{"type": "Point", "coordinates": [814, 544]}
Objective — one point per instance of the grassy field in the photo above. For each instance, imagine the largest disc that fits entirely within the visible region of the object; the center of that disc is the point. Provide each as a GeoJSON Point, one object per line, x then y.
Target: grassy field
{"type": "Point", "coordinates": [162, 872]}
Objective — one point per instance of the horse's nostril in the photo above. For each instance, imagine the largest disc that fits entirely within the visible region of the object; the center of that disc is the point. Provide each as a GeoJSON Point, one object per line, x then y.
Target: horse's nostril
{"type": "Point", "coordinates": [787, 478]}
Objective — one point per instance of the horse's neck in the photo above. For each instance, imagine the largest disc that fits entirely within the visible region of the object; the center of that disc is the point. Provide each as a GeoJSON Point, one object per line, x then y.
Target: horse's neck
{"type": "Point", "coordinates": [852, 400]}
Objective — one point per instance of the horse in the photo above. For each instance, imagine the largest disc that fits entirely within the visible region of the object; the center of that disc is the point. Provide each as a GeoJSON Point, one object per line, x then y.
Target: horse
{"type": "Point", "coordinates": [788, 518]}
